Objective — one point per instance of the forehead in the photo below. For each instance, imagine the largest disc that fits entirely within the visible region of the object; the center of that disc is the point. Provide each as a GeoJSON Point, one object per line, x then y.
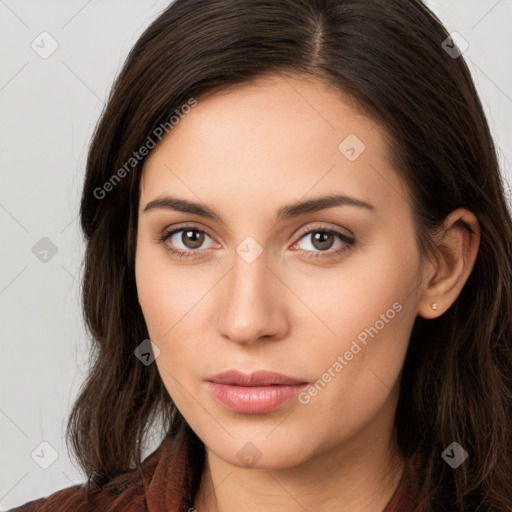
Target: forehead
{"type": "Point", "coordinates": [271, 135]}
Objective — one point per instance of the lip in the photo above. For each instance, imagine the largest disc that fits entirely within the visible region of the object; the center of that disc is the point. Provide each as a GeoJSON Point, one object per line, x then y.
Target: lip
{"type": "Point", "coordinates": [258, 378]}
{"type": "Point", "coordinates": [255, 393]}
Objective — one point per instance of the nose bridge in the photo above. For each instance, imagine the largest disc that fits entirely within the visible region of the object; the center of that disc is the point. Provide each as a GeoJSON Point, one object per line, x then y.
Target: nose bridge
{"type": "Point", "coordinates": [250, 298]}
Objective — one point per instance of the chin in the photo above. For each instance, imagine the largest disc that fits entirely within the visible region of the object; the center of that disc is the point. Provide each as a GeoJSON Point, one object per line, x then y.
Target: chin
{"type": "Point", "coordinates": [259, 452]}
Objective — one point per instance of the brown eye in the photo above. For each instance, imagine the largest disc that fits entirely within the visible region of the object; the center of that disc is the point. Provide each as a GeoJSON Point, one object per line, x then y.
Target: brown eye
{"type": "Point", "coordinates": [322, 240]}
{"type": "Point", "coordinates": [186, 241]}
{"type": "Point", "coordinates": [192, 238]}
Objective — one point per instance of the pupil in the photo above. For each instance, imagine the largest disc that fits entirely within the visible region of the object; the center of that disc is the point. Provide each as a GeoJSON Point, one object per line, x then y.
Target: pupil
{"type": "Point", "coordinates": [191, 240]}
{"type": "Point", "coordinates": [323, 239]}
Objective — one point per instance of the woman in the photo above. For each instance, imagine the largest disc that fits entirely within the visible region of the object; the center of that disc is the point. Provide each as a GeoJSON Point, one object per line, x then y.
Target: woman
{"type": "Point", "coordinates": [298, 264]}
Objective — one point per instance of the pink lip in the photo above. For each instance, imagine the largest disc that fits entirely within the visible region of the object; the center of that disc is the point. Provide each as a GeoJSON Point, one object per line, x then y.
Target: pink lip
{"type": "Point", "coordinates": [254, 393]}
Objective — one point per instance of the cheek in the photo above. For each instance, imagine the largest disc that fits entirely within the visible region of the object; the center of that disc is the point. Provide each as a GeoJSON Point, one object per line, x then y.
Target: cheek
{"type": "Point", "coordinates": [351, 297]}
{"type": "Point", "coordinates": [166, 292]}
{"type": "Point", "coordinates": [163, 298]}
{"type": "Point", "coordinates": [170, 298]}
{"type": "Point", "coordinates": [156, 293]}
{"type": "Point", "coordinates": [151, 294]}
{"type": "Point", "coordinates": [367, 309]}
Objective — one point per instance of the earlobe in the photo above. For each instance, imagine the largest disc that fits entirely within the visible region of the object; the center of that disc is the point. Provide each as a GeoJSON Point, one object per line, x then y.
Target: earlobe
{"type": "Point", "coordinates": [456, 251]}
{"type": "Point", "coordinates": [430, 311]}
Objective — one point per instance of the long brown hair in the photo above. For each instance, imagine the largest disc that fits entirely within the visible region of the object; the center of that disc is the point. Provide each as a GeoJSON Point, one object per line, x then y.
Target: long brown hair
{"type": "Point", "coordinates": [388, 57]}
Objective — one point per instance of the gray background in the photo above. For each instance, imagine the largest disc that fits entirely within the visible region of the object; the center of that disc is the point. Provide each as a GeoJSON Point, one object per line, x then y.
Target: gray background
{"type": "Point", "coordinates": [49, 108]}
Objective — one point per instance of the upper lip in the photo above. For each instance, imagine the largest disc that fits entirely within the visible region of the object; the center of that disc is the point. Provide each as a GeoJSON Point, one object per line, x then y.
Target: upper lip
{"type": "Point", "coordinates": [257, 378]}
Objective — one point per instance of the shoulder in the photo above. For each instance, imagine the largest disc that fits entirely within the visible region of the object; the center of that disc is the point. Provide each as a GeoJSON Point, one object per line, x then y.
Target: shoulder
{"type": "Point", "coordinates": [122, 494]}
{"type": "Point", "coordinates": [126, 492]}
{"type": "Point", "coordinates": [71, 498]}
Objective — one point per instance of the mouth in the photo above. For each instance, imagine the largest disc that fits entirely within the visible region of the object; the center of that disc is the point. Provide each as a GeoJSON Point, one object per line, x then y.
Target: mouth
{"type": "Point", "coordinates": [253, 393]}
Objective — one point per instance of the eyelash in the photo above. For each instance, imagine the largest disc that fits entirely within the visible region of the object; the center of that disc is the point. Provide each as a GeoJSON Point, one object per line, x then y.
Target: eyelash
{"type": "Point", "coordinates": [348, 242]}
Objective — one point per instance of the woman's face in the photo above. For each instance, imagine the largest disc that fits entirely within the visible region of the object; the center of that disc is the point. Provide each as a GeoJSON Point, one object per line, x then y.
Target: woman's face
{"type": "Point", "coordinates": [325, 293]}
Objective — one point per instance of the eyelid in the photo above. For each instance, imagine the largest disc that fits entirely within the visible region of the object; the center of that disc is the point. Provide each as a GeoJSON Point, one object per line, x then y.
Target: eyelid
{"type": "Point", "coordinates": [319, 226]}
{"type": "Point", "coordinates": [168, 231]}
{"type": "Point", "coordinates": [322, 226]}
{"type": "Point", "coordinates": [182, 227]}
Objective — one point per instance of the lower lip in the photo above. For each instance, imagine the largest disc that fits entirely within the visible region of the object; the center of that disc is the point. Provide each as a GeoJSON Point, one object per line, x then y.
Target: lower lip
{"type": "Point", "coordinates": [253, 400]}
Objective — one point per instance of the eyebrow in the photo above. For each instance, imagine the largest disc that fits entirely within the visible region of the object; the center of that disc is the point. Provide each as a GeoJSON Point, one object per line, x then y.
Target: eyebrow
{"type": "Point", "coordinates": [285, 212]}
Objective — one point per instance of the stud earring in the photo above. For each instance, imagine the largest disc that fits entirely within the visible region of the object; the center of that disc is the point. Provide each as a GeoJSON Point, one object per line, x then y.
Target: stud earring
{"type": "Point", "coordinates": [434, 306]}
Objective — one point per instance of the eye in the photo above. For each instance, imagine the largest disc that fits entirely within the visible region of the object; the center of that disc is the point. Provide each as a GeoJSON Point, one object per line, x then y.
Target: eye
{"type": "Point", "coordinates": [189, 238]}
{"type": "Point", "coordinates": [321, 240]}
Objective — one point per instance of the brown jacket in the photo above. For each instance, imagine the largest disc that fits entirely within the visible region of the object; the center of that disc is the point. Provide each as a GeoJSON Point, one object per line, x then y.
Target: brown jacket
{"type": "Point", "coordinates": [166, 488]}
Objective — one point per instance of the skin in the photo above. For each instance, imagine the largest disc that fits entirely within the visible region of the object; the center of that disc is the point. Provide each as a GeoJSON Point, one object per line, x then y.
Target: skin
{"type": "Point", "coordinates": [246, 152]}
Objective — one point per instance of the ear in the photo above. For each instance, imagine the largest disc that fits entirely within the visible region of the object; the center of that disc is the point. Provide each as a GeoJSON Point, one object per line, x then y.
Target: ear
{"type": "Point", "coordinates": [450, 266]}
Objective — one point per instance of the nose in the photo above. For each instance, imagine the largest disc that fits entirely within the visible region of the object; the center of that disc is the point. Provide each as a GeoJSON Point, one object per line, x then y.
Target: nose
{"type": "Point", "coordinates": [252, 303]}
